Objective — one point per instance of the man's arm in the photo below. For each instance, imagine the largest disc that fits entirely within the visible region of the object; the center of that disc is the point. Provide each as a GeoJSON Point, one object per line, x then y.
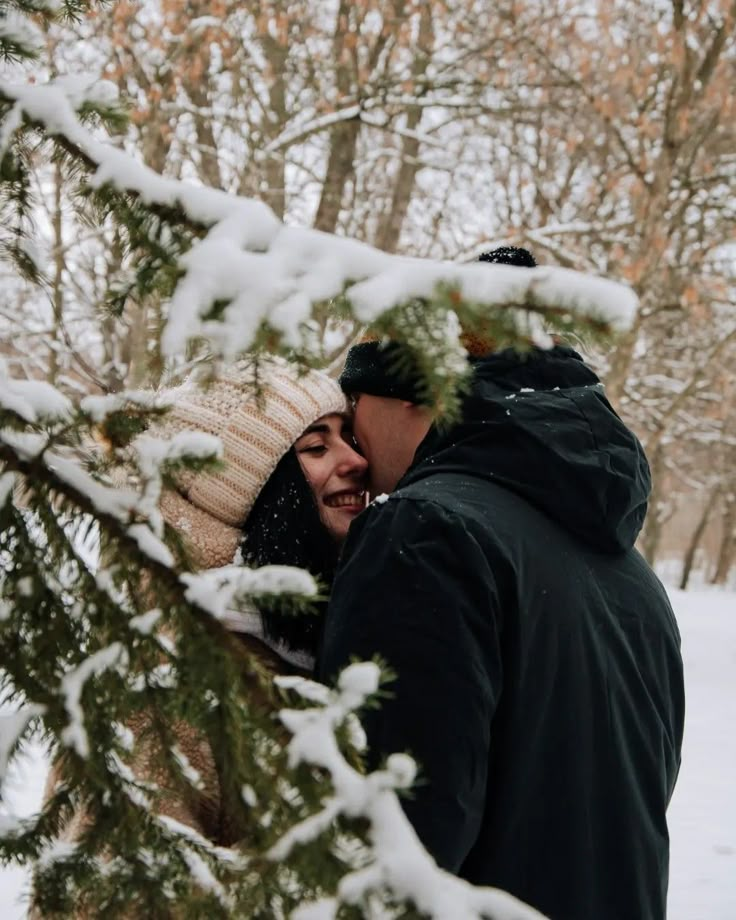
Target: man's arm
{"type": "Point", "coordinates": [416, 589]}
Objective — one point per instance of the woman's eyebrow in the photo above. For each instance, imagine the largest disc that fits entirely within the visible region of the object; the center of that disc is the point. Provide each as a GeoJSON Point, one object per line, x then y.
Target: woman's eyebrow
{"type": "Point", "coordinates": [315, 429]}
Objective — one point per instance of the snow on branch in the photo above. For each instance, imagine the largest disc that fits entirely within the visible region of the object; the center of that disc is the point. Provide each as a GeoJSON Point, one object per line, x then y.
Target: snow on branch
{"type": "Point", "coordinates": [32, 400]}
{"type": "Point", "coordinates": [7, 484]}
{"type": "Point", "coordinates": [400, 868]}
{"type": "Point", "coordinates": [155, 453]}
{"type": "Point", "coordinates": [221, 590]}
{"type": "Point", "coordinates": [99, 408]}
{"type": "Point", "coordinates": [19, 35]}
{"type": "Point", "coordinates": [133, 513]}
{"type": "Point", "coordinates": [12, 727]}
{"type": "Point", "coordinates": [191, 846]}
{"type": "Point", "coordinates": [294, 134]}
{"type": "Point", "coordinates": [266, 272]}
{"type": "Point", "coordinates": [72, 685]}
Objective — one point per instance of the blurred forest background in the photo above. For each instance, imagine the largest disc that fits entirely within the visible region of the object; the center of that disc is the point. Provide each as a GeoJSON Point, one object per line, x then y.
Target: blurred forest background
{"type": "Point", "coordinates": [599, 134]}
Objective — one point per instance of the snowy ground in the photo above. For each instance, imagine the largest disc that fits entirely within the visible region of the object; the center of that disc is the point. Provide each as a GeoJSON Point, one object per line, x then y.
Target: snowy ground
{"type": "Point", "coordinates": [703, 813]}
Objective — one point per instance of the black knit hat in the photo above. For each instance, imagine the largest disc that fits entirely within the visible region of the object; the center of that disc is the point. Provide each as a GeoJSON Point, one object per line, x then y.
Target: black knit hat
{"type": "Point", "coordinates": [375, 367]}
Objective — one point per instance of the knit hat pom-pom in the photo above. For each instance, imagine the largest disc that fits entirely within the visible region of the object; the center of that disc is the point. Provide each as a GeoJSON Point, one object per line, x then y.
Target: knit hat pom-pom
{"type": "Point", "coordinates": [480, 343]}
{"type": "Point", "coordinates": [509, 255]}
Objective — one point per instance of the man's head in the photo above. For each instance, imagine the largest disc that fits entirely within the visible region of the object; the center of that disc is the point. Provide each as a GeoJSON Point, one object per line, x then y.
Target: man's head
{"type": "Point", "coordinates": [390, 421]}
{"type": "Point", "coordinates": [388, 432]}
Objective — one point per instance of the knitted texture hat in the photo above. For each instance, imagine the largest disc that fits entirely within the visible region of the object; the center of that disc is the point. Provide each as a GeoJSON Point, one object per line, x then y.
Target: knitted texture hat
{"type": "Point", "coordinates": [371, 365]}
{"type": "Point", "coordinates": [256, 430]}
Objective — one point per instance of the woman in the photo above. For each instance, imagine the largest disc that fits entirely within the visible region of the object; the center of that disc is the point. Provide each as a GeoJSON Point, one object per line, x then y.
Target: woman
{"type": "Point", "coordinates": [288, 488]}
{"type": "Point", "coordinates": [290, 485]}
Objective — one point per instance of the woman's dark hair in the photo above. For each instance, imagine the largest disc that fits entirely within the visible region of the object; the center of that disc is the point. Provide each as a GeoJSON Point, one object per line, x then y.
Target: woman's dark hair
{"type": "Point", "coordinates": [284, 528]}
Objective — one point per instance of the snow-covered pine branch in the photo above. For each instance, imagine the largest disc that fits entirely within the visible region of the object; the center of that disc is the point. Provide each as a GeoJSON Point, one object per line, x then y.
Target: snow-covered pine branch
{"type": "Point", "coordinates": [135, 514]}
{"type": "Point", "coordinates": [221, 590]}
{"type": "Point", "coordinates": [111, 661]}
{"type": "Point", "coordinates": [247, 278]}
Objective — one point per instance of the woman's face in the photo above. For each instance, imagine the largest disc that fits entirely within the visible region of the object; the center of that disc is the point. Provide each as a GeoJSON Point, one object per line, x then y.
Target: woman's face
{"type": "Point", "coordinates": [334, 470]}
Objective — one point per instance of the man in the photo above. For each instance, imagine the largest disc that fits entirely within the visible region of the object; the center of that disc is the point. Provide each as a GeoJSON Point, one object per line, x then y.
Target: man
{"type": "Point", "coordinates": [539, 673]}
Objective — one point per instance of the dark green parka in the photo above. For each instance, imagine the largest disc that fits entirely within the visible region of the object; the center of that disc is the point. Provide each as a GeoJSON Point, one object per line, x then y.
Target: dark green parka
{"type": "Point", "coordinates": [540, 682]}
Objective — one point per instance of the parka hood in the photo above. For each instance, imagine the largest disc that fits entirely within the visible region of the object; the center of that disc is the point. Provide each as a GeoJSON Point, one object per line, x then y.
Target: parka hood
{"type": "Point", "coordinates": [540, 425]}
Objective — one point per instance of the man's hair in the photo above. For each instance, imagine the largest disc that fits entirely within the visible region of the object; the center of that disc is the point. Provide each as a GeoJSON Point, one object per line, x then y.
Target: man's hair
{"type": "Point", "coordinates": [284, 527]}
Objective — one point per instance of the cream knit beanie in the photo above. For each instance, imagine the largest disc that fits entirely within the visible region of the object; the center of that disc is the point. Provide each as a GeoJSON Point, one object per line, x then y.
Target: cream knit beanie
{"type": "Point", "coordinates": [256, 430]}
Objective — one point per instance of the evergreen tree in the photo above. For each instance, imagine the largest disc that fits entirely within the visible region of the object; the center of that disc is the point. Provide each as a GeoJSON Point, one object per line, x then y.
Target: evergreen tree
{"type": "Point", "coordinates": [89, 647]}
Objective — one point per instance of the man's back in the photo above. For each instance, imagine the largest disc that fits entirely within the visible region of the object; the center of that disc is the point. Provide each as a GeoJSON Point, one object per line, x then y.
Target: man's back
{"type": "Point", "coordinates": [540, 681]}
{"type": "Point", "coordinates": [584, 751]}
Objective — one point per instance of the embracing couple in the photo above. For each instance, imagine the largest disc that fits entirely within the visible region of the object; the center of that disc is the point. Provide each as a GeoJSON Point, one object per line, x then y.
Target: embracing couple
{"type": "Point", "coordinates": [539, 678]}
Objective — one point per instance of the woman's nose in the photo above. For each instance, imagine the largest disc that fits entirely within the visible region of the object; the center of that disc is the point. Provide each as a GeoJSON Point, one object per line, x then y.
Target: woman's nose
{"type": "Point", "coordinates": [351, 462]}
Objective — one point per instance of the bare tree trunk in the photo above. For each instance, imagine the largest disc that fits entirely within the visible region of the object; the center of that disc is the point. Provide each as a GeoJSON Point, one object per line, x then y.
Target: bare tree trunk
{"type": "Point", "coordinates": [727, 549]}
{"type": "Point", "coordinates": [654, 521]}
{"type": "Point", "coordinates": [697, 535]}
{"type": "Point", "coordinates": [621, 362]}
{"type": "Point", "coordinates": [112, 369]}
{"type": "Point", "coordinates": [209, 165]}
{"type": "Point", "coordinates": [651, 538]}
{"type": "Point", "coordinates": [343, 136]}
{"type": "Point", "coordinates": [274, 172]}
{"type": "Point", "coordinates": [137, 343]}
{"type": "Point", "coordinates": [340, 169]}
{"type": "Point", "coordinates": [389, 231]}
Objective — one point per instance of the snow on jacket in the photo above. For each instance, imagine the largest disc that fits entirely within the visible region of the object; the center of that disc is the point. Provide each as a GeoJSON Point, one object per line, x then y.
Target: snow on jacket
{"type": "Point", "coordinates": [540, 682]}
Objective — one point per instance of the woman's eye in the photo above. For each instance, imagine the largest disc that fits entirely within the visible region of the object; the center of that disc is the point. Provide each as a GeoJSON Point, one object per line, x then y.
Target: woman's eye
{"type": "Point", "coordinates": [317, 450]}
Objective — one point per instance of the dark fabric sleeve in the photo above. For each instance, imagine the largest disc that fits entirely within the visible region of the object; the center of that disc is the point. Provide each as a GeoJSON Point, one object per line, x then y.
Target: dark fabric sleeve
{"type": "Point", "coordinates": [416, 589]}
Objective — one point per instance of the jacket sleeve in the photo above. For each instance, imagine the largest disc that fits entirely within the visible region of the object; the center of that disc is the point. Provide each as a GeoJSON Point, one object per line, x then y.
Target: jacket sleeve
{"type": "Point", "coordinates": [416, 589]}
